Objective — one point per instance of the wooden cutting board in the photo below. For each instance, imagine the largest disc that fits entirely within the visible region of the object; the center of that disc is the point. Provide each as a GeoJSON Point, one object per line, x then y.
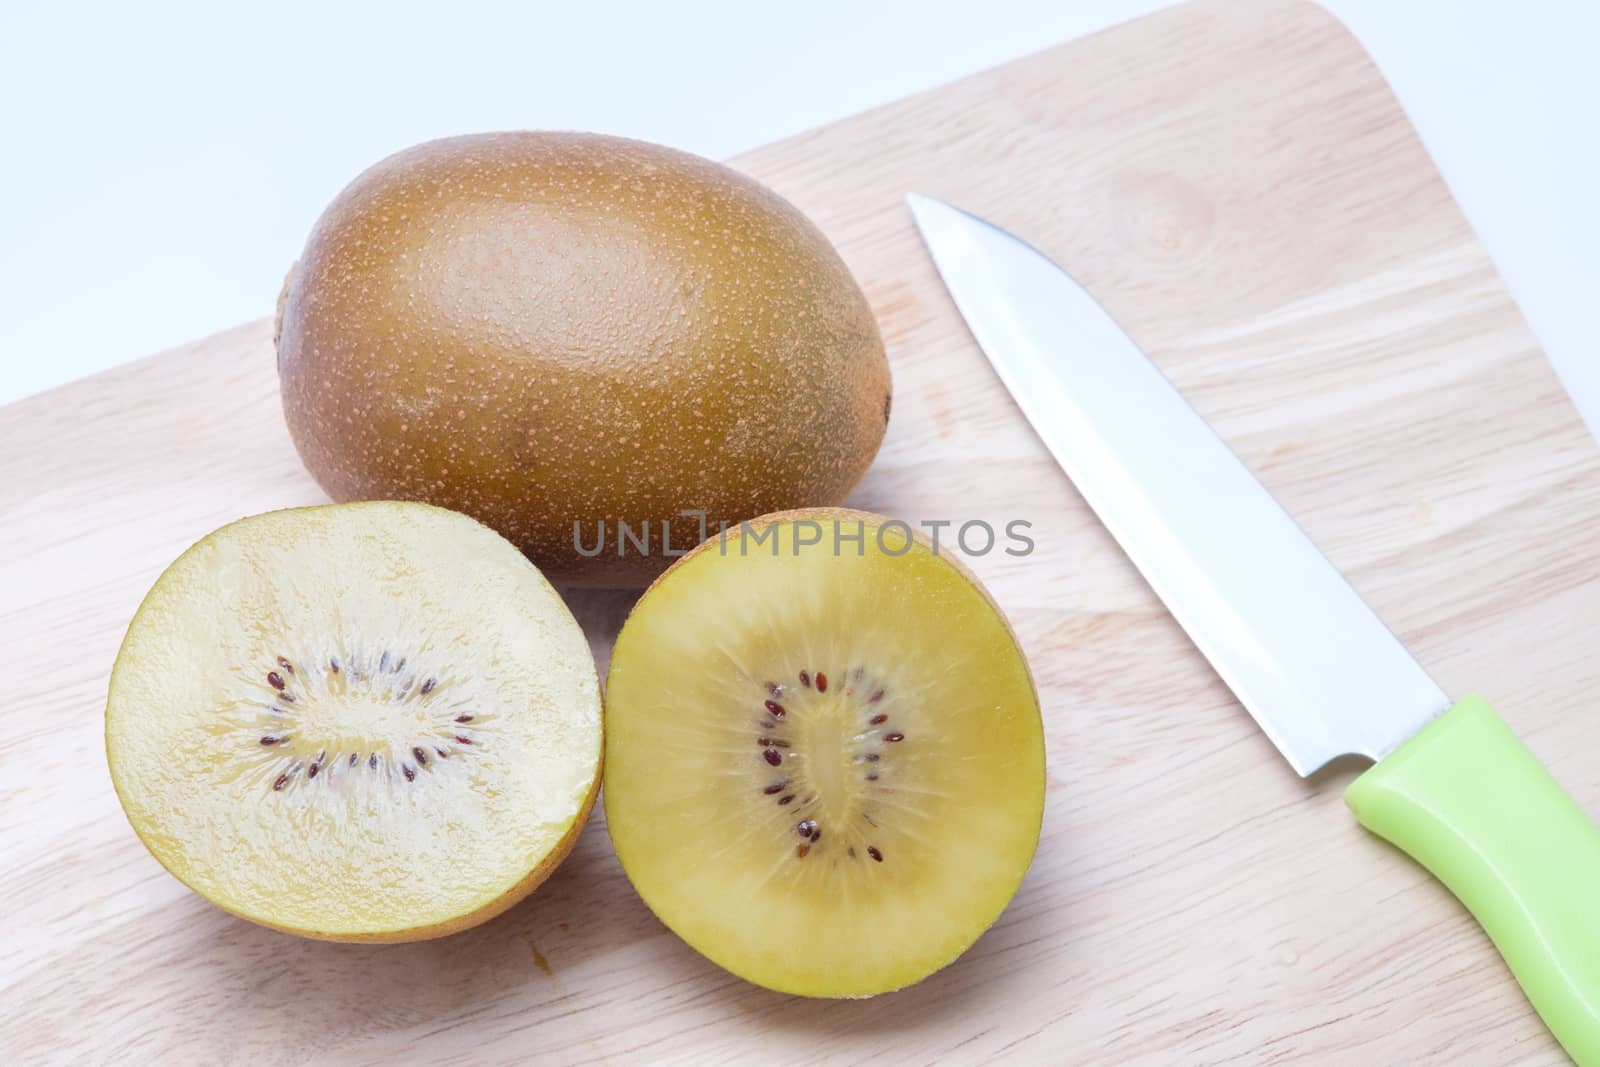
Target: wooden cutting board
{"type": "Point", "coordinates": [1237, 184]}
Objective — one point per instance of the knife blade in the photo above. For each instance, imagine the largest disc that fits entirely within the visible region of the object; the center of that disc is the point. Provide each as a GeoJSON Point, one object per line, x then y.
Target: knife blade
{"type": "Point", "coordinates": [1307, 658]}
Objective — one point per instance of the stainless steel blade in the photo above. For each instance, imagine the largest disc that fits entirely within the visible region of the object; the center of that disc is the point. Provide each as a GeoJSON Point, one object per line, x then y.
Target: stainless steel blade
{"type": "Point", "coordinates": [1315, 666]}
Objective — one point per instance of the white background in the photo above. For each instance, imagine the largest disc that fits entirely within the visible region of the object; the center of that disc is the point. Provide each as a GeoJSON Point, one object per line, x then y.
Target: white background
{"type": "Point", "coordinates": [164, 163]}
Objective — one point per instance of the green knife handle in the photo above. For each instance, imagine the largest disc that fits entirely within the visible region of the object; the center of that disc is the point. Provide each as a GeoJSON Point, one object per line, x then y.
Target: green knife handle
{"type": "Point", "coordinates": [1470, 803]}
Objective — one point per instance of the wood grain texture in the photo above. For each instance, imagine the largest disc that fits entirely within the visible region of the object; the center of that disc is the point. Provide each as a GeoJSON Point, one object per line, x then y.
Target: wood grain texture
{"type": "Point", "coordinates": [1237, 184]}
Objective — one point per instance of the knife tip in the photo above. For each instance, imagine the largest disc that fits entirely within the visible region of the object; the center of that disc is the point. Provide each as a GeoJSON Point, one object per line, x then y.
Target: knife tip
{"type": "Point", "coordinates": [923, 208]}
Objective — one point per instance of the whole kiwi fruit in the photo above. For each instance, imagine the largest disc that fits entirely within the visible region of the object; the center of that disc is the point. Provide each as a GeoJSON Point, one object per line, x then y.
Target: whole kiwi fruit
{"type": "Point", "coordinates": [551, 331]}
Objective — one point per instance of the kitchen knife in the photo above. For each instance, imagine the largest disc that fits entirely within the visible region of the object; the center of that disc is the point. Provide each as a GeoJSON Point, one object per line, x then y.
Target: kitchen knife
{"type": "Point", "coordinates": [1310, 661]}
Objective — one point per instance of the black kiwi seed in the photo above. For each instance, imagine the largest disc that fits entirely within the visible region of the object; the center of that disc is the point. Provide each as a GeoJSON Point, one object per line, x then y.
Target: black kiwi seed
{"type": "Point", "coordinates": [805, 679]}
{"type": "Point", "coordinates": [875, 697]}
{"type": "Point", "coordinates": [775, 788]}
{"type": "Point", "coordinates": [872, 850]}
{"type": "Point", "coordinates": [878, 719]}
{"type": "Point", "coordinates": [772, 756]}
{"type": "Point", "coordinates": [773, 689]}
{"type": "Point", "coordinates": [281, 733]}
{"type": "Point", "coordinates": [822, 682]}
{"type": "Point", "coordinates": [776, 709]}
{"type": "Point", "coordinates": [801, 850]}
{"type": "Point", "coordinates": [785, 799]}
{"type": "Point", "coordinates": [891, 738]}
{"type": "Point", "coordinates": [807, 828]}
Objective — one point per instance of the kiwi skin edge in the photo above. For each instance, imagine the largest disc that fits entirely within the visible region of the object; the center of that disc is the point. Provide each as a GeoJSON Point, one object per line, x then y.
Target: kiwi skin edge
{"type": "Point", "coordinates": [484, 913]}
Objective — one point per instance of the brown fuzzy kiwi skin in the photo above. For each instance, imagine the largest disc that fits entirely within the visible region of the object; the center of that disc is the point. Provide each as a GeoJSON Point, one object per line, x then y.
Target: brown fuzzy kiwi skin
{"type": "Point", "coordinates": [874, 520]}
{"type": "Point", "coordinates": [506, 900]}
{"type": "Point", "coordinates": [543, 329]}
{"type": "Point", "coordinates": [283, 298]}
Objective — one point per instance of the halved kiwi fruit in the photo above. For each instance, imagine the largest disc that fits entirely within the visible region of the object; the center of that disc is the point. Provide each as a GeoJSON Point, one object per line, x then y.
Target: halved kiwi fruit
{"type": "Point", "coordinates": [825, 759]}
{"type": "Point", "coordinates": [361, 722]}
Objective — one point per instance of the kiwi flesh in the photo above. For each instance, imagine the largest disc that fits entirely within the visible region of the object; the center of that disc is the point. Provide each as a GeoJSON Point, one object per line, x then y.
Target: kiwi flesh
{"type": "Point", "coordinates": [825, 762]}
{"type": "Point", "coordinates": [360, 722]}
{"type": "Point", "coordinates": [554, 331]}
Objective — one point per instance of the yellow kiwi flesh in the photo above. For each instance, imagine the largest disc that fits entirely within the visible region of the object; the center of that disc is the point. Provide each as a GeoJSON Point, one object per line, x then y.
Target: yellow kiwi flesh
{"type": "Point", "coordinates": [550, 330]}
{"type": "Point", "coordinates": [825, 765]}
{"type": "Point", "coordinates": [360, 722]}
